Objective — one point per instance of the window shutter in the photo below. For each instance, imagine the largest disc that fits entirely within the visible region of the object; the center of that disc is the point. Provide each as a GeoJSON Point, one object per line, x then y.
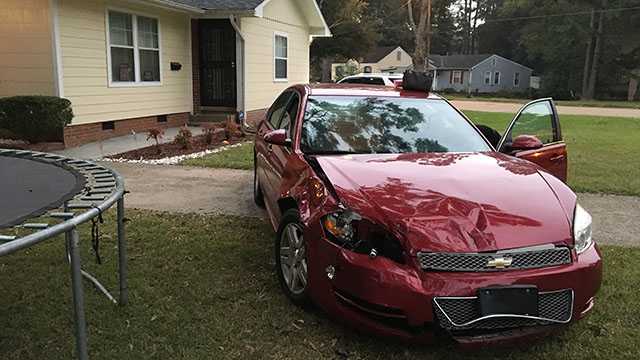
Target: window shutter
{"type": "Point", "coordinates": [450, 77]}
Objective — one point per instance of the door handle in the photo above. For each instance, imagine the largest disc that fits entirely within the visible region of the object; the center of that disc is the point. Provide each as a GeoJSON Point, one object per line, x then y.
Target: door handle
{"type": "Point", "coordinates": [556, 158]}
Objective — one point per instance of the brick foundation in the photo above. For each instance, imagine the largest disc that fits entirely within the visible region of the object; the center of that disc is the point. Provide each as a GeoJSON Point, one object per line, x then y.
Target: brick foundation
{"type": "Point", "coordinates": [75, 135]}
{"type": "Point", "coordinates": [254, 116]}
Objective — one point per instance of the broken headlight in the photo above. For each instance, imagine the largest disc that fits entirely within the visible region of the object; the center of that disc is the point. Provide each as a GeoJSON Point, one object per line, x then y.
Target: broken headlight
{"type": "Point", "coordinates": [349, 230]}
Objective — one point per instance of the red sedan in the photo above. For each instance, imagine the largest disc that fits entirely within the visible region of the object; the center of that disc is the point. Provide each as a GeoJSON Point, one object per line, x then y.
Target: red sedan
{"type": "Point", "coordinates": [397, 215]}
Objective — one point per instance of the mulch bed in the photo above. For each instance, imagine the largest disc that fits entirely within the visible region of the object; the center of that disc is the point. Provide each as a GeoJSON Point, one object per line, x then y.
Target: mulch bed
{"type": "Point", "coordinates": [23, 145]}
{"type": "Point", "coordinates": [198, 144]}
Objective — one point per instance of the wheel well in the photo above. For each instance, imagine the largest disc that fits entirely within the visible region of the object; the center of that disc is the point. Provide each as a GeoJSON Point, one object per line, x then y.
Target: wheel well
{"type": "Point", "coordinates": [287, 203]}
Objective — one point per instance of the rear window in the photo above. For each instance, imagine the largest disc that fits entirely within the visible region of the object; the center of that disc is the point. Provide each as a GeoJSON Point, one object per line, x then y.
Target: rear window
{"type": "Point", "coordinates": [359, 124]}
{"type": "Point", "coordinates": [368, 80]}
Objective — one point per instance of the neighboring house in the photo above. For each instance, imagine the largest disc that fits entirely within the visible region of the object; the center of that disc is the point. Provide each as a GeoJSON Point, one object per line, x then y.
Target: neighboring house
{"type": "Point", "coordinates": [134, 64]}
{"type": "Point", "coordinates": [479, 73]}
{"type": "Point", "coordinates": [383, 59]}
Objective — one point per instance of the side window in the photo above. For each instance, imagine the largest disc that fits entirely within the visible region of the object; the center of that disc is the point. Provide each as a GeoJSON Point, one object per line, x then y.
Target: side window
{"type": "Point", "coordinates": [290, 115]}
{"type": "Point", "coordinates": [278, 108]}
{"type": "Point", "coordinates": [538, 120]}
{"type": "Point", "coordinates": [374, 81]}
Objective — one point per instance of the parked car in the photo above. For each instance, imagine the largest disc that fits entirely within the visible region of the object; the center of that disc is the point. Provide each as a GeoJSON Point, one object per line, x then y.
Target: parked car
{"type": "Point", "coordinates": [395, 214]}
{"type": "Point", "coordinates": [371, 79]}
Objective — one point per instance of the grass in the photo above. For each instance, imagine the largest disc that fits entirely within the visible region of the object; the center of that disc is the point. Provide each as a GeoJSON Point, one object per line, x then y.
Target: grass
{"type": "Point", "coordinates": [601, 150]}
{"type": "Point", "coordinates": [240, 157]}
{"type": "Point", "coordinates": [583, 103]}
{"type": "Point", "coordinates": [204, 287]}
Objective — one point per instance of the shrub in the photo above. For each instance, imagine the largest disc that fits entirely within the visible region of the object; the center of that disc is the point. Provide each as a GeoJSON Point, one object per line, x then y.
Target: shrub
{"type": "Point", "coordinates": [183, 138]}
{"type": "Point", "coordinates": [156, 134]}
{"type": "Point", "coordinates": [35, 118]}
{"type": "Point", "coordinates": [209, 135]}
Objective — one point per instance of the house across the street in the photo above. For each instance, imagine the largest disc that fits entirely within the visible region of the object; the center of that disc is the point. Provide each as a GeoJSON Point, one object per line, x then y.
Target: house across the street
{"type": "Point", "coordinates": [486, 73]}
{"type": "Point", "coordinates": [382, 59]}
{"type": "Point", "coordinates": [134, 64]}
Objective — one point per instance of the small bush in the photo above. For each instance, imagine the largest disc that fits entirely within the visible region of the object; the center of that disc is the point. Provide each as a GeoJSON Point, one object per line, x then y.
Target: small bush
{"type": "Point", "coordinates": [156, 134]}
{"type": "Point", "coordinates": [209, 135]}
{"type": "Point", "coordinates": [35, 118]}
{"type": "Point", "coordinates": [183, 138]}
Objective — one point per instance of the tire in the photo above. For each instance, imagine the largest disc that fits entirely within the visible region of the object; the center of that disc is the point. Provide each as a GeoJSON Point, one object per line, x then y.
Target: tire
{"type": "Point", "coordinates": [292, 268]}
{"type": "Point", "coordinates": [258, 197]}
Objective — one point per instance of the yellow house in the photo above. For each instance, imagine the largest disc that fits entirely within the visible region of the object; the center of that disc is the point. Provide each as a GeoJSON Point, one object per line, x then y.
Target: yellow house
{"type": "Point", "coordinates": [134, 64]}
{"type": "Point", "coordinates": [381, 59]}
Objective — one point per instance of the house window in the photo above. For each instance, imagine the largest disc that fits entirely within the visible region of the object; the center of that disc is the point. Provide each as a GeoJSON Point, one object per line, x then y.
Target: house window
{"type": "Point", "coordinates": [280, 56]}
{"type": "Point", "coordinates": [134, 49]}
{"type": "Point", "coordinates": [399, 55]}
{"type": "Point", "coordinates": [368, 70]}
{"type": "Point", "coordinates": [457, 77]}
{"type": "Point", "coordinates": [516, 79]}
{"type": "Point", "coordinates": [487, 77]}
{"type": "Point", "coordinates": [493, 62]}
{"type": "Point", "coordinates": [496, 78]}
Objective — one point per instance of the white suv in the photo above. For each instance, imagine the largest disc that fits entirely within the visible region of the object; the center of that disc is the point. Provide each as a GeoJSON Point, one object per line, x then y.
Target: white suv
{"type": "Point", "coordinates": [371, 79]}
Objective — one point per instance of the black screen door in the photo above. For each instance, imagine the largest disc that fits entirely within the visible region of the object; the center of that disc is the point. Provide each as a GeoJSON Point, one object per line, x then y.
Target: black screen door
{"type": "Point", "coordinates": [217, 63]}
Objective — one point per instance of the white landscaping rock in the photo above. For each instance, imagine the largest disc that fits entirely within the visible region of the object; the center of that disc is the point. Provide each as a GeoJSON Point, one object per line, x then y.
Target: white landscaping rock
{"type": "Point", "coordinates": [173, 160]}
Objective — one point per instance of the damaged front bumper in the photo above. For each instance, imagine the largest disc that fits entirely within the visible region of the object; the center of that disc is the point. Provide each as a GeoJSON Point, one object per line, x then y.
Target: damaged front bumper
{"type": "Point", "coordinates": [386, 298]}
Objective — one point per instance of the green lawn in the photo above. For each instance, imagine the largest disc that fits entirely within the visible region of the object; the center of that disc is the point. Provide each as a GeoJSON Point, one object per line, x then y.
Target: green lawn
{"type": "Point", "coordinates": [602, 150]}
{"type": "Point", "coordinates": [585, 103]}
{"type": "Point", "coordinates": [235, 158]}
{"type": "Point", "coordinates": [204, 287]}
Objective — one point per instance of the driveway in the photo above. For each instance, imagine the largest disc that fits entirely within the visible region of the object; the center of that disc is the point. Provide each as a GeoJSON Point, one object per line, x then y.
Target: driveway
{"type": "Point", "coordinates": [227, 191]}
{"type": "Point", "coordinates": [512, 108]}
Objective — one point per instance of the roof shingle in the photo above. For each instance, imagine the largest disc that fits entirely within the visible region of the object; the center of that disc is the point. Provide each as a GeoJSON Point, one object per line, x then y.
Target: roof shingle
{"type": "Point", "coordinates": [222, 4]}
{"type": "Point", "coordinates": [457, 61]}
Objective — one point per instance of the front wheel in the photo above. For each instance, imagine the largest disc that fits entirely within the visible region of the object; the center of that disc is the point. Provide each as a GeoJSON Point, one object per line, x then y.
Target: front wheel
{"type": "Point", "coordinates": [291, 258]}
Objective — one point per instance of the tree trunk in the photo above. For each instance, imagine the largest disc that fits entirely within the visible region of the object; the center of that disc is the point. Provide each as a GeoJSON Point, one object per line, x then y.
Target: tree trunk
{"type": "Point", "coordinates": [428, 50]}
{"type": "Point", "coordinates": [587, 58]}
{"type": "Point", "coordinates": [420, 52]}
{"type": "Point", "coordinates": [593, 77]}
{"type": "Point", "coordinates": [325, 66]}
{"type": "Point", "coordinates": [633, 88]}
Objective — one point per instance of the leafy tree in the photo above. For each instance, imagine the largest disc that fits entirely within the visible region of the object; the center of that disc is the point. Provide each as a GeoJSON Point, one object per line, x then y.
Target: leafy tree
{"type": "Point", "coordinates": [354, 30]}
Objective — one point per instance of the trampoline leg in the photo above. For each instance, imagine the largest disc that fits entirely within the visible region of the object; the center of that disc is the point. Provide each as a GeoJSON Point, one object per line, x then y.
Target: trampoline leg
{"type": "Point", "coordinates": [122, 255]}
{"type": "Point", "coordinates": [78, 295]}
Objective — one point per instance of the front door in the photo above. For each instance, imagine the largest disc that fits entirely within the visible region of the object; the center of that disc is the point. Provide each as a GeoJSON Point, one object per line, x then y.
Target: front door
{"type": "Point", "coordinates": [217, 39]}
{"type": "Point", "coordinates": [538, 121]}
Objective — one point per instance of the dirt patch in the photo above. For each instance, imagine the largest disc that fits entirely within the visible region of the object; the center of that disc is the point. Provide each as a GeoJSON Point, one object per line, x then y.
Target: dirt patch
{"type": "Point", "coordinates": [211, 138]}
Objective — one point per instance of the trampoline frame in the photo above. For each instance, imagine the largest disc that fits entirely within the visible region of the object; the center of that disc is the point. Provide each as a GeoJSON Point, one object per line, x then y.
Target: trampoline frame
{"type": "Point", "coordinates": [104, 188]}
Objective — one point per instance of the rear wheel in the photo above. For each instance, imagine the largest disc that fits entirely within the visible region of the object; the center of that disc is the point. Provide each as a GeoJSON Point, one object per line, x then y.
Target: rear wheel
{"type": "Point", "coordinates": [291, 258]}
{"type": "Point", "coordinates": [258, 198]}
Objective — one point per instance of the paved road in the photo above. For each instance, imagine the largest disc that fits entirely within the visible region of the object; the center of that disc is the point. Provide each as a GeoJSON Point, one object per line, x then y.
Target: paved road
{"type": "Point", "coordinates": [562, 110]}
{"type": "Point", "coordinates": [226, 191]}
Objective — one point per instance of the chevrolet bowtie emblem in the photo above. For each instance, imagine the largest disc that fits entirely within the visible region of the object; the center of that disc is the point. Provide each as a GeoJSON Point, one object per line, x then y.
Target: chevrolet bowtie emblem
{"type": "Point", "coordinates": [500, 262]}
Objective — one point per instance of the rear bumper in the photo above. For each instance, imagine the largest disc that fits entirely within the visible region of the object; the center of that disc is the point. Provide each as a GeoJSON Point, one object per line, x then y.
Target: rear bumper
{"type": "Point", "coordinates": [389, 299]}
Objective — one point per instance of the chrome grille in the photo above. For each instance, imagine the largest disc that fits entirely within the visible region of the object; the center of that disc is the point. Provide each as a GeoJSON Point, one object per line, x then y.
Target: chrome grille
{"type": "Point", "coordinates": [520, 259]}
{"type": "Point", "coordinates": [462, 313]}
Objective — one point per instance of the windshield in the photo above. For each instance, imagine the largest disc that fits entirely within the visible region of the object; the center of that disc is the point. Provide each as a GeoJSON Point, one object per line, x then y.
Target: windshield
{"type": "Point", "coordinates": [358, 124]}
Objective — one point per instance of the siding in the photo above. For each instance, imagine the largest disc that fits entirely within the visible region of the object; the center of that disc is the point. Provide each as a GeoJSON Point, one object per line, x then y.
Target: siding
{"type": "Point", "coordinates": [507, 71]}
{"type": "Point", "coordinates": [84, 59]}
{"type": "Point", "coordinates": [279, 16]}
{"type": "Point", "coordinates": [391, 60]}
{"type": "Point", "coordinates": [26, 50]}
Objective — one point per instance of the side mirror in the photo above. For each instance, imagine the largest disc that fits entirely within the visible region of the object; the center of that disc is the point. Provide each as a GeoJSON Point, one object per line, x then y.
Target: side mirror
{"type": "Point", "coordinates": [526, 142]}
{"type": "Point", "coordinates": [277, 137]}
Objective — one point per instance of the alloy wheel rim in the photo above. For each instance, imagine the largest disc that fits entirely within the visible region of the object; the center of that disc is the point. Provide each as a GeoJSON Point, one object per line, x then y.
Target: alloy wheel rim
{"type": "Point", "coordinates": [293, 259]}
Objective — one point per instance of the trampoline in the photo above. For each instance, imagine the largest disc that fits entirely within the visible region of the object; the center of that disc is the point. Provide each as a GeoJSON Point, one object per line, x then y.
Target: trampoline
{"type": "Point", "coordinates": [45, 195]}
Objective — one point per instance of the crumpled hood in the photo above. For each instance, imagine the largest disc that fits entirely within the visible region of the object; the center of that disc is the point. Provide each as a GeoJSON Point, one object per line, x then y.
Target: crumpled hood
{"type": "Point", "coordinates": [452, 202]}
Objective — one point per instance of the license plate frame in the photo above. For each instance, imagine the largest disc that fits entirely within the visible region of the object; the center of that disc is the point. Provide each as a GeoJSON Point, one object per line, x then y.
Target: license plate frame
{"type": "Point", "coordinates": [509, 300]}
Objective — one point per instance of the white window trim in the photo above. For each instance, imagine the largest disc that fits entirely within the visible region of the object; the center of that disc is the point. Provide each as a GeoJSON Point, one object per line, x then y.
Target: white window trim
{"type": "Point", "coordinates": [286, 36]}
{"type": "Point", "coordinates": [136, 50]}
{"type": "Point", "coordinates": [514, 79]}
{"type": "Point", "coordinates": [498, 77]}
{"type": "Point", "coordinates": [490, 77]}
{"type": "Point", "coordinates": [454, 77]}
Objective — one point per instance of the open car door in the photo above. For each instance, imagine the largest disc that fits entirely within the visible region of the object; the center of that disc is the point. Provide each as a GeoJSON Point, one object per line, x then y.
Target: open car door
{"type": "Point", "coordinates": [534, 135]}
